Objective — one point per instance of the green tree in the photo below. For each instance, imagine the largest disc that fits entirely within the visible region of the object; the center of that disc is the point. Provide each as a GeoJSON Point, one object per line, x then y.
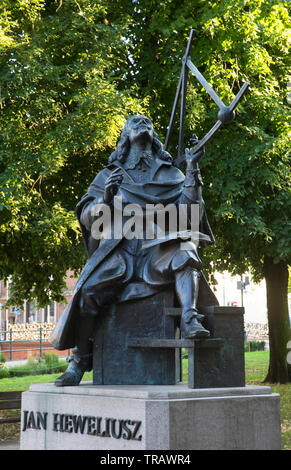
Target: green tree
{"type": "Point", "coordinates": [70, 73]}
{"type": "Point", "coordinates": [61, 113]}
{"type": "Point", "coordinates": [246, 168]}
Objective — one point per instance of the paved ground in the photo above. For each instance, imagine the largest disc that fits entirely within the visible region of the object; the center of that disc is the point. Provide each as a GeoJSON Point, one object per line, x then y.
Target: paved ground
{"type": "Point", "coordinates": [13, 444]}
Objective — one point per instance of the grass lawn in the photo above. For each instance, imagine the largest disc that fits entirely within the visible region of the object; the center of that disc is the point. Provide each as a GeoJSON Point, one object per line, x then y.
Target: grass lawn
{"type": "Point", "coordinates": [256, 370]}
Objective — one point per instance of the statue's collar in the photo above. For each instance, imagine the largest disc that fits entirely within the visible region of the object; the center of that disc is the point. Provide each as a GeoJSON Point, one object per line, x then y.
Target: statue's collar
{"type": "Point", "coordinates": [156, 164]}
{"type": "Point", "coordinates": [145, 159]}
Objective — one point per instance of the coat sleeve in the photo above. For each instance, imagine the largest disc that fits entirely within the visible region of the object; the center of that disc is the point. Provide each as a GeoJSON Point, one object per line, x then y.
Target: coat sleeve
{"type": "Point", "coordinates": [84, 208]}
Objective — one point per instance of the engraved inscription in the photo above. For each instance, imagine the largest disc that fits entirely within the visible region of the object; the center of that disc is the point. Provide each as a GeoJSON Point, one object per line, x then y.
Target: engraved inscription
{"type": "Point", "coordinates": [91, 425]}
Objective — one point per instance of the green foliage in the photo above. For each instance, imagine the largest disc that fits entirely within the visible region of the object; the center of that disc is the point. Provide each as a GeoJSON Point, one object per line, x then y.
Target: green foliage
{"type": "Point", "coordinates": [251, 346]}
{"type": "Point", "coordinates": [49, 363]}
{"type": "Point", "coordinates": [246, 168]}
{"type": "Point", "coordinates": [71, 72]}
{"type": "Point", "coordinates": [4, 372]}
{"type": "Point", "coordinates": [50, 359]}
{"type": "Point", "coordinates": [61, 114]}
{"type": "Point", "coordinates": [2, 358]}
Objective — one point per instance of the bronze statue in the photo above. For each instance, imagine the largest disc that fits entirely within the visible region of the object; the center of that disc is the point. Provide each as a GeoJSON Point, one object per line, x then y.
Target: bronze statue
{"type": "Point", "coordinates": [120, 269]}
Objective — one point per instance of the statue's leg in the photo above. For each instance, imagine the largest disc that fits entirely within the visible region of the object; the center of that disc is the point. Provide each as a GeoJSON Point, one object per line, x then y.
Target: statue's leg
{"type": "Point", "coordinates": [187, 288]}
{"type": "Point", "coordinates": [81, 360]}
{"type": "Point", "coordinates": [98, 290]}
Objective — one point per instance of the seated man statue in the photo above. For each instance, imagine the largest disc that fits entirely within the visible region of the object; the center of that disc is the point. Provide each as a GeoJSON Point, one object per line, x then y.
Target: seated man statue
{"type": "Point", "coordinates": [123, 268]}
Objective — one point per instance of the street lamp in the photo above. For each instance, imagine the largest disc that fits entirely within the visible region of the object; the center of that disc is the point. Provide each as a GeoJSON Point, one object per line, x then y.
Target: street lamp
{"type": "Point", "coordinates": [241, 285]}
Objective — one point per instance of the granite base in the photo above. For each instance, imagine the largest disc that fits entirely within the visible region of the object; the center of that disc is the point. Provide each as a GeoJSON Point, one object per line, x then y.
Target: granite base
{"type": "Point", "coordinates": [146, 417]}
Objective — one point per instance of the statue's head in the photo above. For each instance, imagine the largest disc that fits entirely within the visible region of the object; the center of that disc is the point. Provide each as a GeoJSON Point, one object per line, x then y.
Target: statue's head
{"type": "Point", "coordinates": [139, 128]}
{"type": "Point", "coordinates": [136, 128]}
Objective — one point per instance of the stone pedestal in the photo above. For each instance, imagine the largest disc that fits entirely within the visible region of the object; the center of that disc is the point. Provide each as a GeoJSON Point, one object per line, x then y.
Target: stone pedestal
{"type": "Point", "coordinates": [137, 343]}
{"type": "Point", "coordinates": [145, 417]}
{"type": "Point", "coordinates": [226, 367]}
{"type": "Point", "coordinates": [115, 362]}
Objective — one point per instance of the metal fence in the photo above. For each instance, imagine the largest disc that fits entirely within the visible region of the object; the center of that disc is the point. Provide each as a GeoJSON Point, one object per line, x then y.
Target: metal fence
{"type": "Point", "coordinates": [38, 336]}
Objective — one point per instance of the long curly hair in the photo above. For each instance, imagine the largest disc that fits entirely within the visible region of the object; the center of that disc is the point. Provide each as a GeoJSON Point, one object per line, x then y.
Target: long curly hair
{"type": "Point", "coordinates": [123, 146]}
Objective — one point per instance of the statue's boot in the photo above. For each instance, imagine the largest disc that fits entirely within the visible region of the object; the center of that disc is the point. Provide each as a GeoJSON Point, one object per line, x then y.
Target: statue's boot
{"type": "Point", "coordinates": [190, 326]}
{"type": "Point", "coordinates": [187, 288]}
{"type": "Point", "coordinates": [78, 365]}
{"type": "Point", "coordinates": [82, 359]}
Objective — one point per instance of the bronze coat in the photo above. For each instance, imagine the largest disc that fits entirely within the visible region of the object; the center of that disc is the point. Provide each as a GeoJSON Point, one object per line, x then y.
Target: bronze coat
{"type": "Point", "coordinates": [166, 186]}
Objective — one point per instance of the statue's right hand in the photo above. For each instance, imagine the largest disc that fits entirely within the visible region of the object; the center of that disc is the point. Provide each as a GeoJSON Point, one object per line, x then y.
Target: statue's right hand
{"type": "Point", "coordinates": [112, 185]}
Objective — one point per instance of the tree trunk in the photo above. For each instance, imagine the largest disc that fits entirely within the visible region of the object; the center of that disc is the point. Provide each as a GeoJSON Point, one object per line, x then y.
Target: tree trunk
{"type": "Point", "coordinates": [276, 276]}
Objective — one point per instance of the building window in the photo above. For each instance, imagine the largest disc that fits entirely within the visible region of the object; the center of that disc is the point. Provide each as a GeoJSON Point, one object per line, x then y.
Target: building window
{"type": "Point", "coordinates": [31, 312]}
{"type": "Point", "coordinates": [50, 312]}
{"type": "Point", "coordinates": [52, 315]}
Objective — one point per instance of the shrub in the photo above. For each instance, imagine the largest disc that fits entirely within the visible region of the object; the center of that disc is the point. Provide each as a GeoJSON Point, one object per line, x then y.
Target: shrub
{"type": "Point", "coordinates": [48, 364]}
{"type": "Point", "coordinates": [50, 359]}
{"type": "Point", "coordinates": [4, 372]}
{"type": "Point", "coordinates": [2, 357]}
{"type": "Point", "coordinates": [254, 346]}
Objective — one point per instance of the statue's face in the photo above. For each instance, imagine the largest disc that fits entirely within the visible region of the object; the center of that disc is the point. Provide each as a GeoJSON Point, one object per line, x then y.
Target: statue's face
{"type": "Point", "coordinates": [140, 128]}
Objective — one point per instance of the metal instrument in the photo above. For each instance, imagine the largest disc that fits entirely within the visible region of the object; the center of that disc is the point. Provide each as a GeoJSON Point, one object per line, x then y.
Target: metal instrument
{"type": "Point", "coordinates": [226, 114]}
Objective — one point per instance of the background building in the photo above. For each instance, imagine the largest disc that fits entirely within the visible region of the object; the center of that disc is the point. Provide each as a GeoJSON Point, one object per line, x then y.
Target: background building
{"type": "Point", "coordinates": [230, 290]}
{"type": "Point", "coordinates": [30, 313]}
